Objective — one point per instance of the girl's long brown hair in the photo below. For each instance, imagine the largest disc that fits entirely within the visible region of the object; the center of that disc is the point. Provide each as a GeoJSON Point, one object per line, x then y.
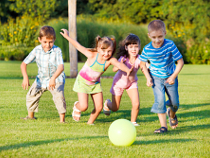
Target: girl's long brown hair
{"type": "Point", "coordinates": [130, 39]}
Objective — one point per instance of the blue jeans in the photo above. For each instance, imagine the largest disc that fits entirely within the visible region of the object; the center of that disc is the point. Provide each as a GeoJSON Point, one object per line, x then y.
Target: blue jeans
{"type": "Point", "coordinates": [159, 89]}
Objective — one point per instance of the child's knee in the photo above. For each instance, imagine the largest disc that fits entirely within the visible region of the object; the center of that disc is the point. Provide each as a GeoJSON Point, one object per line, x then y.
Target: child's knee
{"type": "Point", "coordinates": [175, 107]}
{"type": "Point", "coordinates": [114, 109]}
{"type": "Point", "coordinates": [83, 108]}
{"type": "Point", "coordinates": [100, 108]}
{"type": "Point", "coordinates": [135, 106]}
{"type": "Point", "coordinates": [173, 104]}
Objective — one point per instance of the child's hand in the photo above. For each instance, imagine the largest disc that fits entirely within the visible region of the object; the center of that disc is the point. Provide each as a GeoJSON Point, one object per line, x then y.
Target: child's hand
{"type": "Point", "coordinates": [25, 84]}
{"type": "Point", "coordinates": [170, 80]}
{"type": "Point", "coordinates": [65, 33]}
{"type": "Point", "coordinates": [130, 70]}
{"type": "Point", "coordinates": [115, 69]}
{"type": "Point", "coordinates": [52, 84]}
{"type": "Point", "coordinates": [149, 82]}
{"type": "Point", "coordinates": [123, 60]}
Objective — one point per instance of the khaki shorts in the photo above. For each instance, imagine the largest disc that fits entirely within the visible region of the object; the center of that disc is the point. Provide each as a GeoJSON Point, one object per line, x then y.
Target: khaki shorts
{"type": "Point", "coordinates": [35, 92]}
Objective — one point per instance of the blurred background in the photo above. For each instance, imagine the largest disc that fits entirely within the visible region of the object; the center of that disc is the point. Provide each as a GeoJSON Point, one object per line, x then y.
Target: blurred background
{"type": "Point", "coordinates": [187, 22]}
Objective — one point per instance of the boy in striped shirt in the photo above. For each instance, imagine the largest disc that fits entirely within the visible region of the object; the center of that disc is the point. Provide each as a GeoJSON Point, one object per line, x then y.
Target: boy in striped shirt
{"type": "Point", "coordinates": [162, 54]}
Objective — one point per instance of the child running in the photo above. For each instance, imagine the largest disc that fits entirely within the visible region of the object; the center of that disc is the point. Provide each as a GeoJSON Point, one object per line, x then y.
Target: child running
{"type": "Point", "coordinates": [162, 54]}
{"type": "Point", "coordinates": [88, 80]}
{"type": "Point", "coordinates": [128, 54]}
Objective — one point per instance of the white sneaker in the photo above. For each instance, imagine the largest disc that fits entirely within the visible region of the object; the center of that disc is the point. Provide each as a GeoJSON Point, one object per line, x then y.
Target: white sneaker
{"type": "Point", "coordinates": [135, 124]}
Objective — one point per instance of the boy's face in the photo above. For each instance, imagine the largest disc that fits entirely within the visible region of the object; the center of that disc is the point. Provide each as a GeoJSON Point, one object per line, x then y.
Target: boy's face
{"type": "Point", "coordinates": [47, 43]}
{"type": "Point", "coordinates": [157, 38]}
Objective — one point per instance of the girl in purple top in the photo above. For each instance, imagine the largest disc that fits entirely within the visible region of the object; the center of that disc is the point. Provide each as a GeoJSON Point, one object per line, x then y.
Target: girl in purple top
{"type": "Point", "coordinates": [128, 54]}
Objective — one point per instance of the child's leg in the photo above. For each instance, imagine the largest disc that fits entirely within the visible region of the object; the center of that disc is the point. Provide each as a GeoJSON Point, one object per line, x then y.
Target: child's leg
{"type": "Point", "coordinates": [134, 96]}
{"type": "Point", "coordinates": [159, 106]}
{"type": "Point", "coordinates": [115, 104]}
{"type": "Point", "coordinates": [62, 117]}
{"type": "Point", "coordinates": [163, 123]}
{"type": "Point", "coordinates": [30, 114]}
{"type": "Point", "coordinates": [98, 105]}
{"type": "Point", "coordinates": [173, 102]}
{"type": "Point", "coordinates": [59, 100]}
{"type": "Point", "coordinates": [116, 98]}
{"type": "Point", "coordinates": [112, 106]}
{"type": "Point", "coordinates": [162, 119]}
{"type": "Point", "coordinates": [81, 105]}
{"type": "Point", "coordinates": [32, 99]}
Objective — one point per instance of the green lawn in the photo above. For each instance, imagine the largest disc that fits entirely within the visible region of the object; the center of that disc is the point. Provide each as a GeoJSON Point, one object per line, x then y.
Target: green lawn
{"type": "Point", "coordinates": [46, 137]}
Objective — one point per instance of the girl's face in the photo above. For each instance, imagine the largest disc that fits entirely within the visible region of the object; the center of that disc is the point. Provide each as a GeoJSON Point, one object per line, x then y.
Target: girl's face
{"type": "Point", "coordinates": [106, 53]}
{"type": "Point", "coordinates": [133, 49]}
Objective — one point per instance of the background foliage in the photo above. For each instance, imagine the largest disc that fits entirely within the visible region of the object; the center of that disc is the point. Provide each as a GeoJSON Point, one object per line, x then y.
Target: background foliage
{"type": "Point", "coordinates": [187, 22]}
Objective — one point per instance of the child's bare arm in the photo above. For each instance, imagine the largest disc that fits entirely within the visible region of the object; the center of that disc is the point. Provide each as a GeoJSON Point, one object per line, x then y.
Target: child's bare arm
{"type": "Point", "coordinates": [25, 83]}
{"type": "Point", "coordinates": [115, 69]}
{"type": "Point", "coordinates": [76, 44]}
{"type": "Point", "coordinates": [145, 71]}
{"type": "Point", "coordinates": [55, 75]}
{"type": "Point", "coordinates": [180, 64]}
{"type": "Point", "coordinates": [121, 66]}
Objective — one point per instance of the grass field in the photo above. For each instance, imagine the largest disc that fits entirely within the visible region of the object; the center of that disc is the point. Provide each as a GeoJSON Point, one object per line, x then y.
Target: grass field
{"type": "Point", "coordinates": [46, 137]}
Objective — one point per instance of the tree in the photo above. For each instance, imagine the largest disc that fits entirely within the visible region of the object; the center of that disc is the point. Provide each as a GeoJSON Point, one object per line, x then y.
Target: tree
{"type": "Point", "coordinates": [136, 11]}
{"type": "Point", "coordinates": [5, 11]}
{"type": "Point", "coordinates": [190, 19]}
{"type": "Point", "coordinates": [35, 8]}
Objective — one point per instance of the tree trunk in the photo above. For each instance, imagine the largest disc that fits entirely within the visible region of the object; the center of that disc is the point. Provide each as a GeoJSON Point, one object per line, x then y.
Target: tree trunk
{"type": "Point", "coordinates": [73, 34]}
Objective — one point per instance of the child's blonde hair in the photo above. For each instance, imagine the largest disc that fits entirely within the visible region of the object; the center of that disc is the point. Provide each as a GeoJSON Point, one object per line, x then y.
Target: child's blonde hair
{"type": "Point", "coordinates": [47, 31]}
{"type": "Point", "coordinates": [156, 25]}
{"type": "Point", "coordinates": [104, 43]}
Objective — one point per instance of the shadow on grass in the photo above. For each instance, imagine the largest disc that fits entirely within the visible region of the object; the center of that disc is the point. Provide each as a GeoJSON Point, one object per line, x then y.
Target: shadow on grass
{"type": "Point", "coordinates": [201, 114]}
{"type": "Point", "coordinates": [189, 106]}
{"type": "Point", "coordinates": [13, 77]}
{"type": "Point", "coordinates": [181, 129]}
{"type": "Point", "coordinates": [190, 128]}
{"type": "Point", "coordinates": [162, 141]}
{"type": "Point", "coordinates": [36, 143]}
{"type": "Point", "coordinates": [126, 114]}
{"type": "Point", "coordinates": [10, 78]}
{"type": "Point", "coordinates": [195, 74]}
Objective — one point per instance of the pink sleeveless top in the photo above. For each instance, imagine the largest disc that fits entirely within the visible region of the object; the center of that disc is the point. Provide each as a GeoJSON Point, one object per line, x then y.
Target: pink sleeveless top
{"type": "Point", "coordinates": [92, 73]}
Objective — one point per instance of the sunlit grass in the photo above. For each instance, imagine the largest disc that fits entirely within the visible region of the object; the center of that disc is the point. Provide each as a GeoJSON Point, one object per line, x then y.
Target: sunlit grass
{"type": "Point", "coordinates": [46, 137]}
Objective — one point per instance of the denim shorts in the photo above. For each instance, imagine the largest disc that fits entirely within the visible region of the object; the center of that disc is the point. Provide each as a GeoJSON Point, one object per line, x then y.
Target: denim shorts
{"type": "Point", "coordinates": [159, 89]}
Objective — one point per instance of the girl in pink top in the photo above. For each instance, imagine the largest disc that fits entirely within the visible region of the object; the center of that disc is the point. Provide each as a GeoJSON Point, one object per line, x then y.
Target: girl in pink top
{"type": "Point", "coordinates": [88, 80]}
{"type": "Point", "coordinates": [128, 54]}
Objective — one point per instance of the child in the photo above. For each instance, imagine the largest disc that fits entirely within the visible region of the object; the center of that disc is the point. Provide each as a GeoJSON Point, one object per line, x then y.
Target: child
{"type": "Point", "coordinates": [50, 74]}
{"type": "Point", "coordinates": [128, 53]}
{"type": "Point", "coordinates": [88, 79]}
{"type": "Point", "coordinates": [162, 54]}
